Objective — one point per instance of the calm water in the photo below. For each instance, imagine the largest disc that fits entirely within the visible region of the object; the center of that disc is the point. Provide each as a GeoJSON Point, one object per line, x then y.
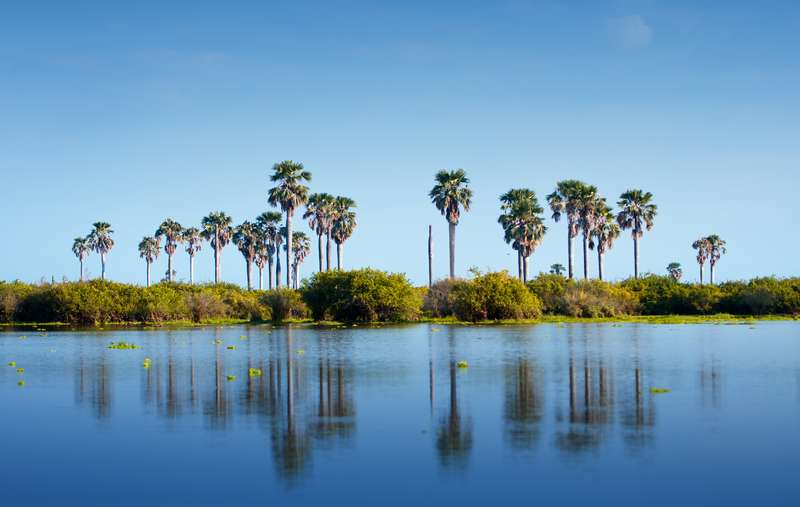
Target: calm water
{"type": "Point", "coordinates": [543, 415]}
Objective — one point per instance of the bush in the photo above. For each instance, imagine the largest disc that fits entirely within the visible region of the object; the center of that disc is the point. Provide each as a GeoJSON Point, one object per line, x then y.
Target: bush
{"type": "Point", "coordinates": [595, 298]}
{"type": "Point", "coordinates": [762, 296]}
{"type": "Point", "coordinates": [285, 304]}
{"type": "Point", "coordinates": [550, 290]}
{"type": "Point", "coordinates": [493, 296]}
{"type": "Point", "coordinates": [662, 295]}
{"type": "Point", "coordinates": [364, 295]}
{"type": "Point", "coordinates": [436, 301]}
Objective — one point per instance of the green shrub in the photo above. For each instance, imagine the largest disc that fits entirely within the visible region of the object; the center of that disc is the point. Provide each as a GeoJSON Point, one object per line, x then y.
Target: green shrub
{"type": "Point", "coordinates": [662, 295]}
{"type": "Point", "coordinates": [550, 290]}
{"type": "Point", "coordinates": [761, 296]}
{"type": "Point", "coordinates": [284, 304]}
{"type": "Point", "coordinates": [364, 295]}
{"type": "Point", "coordinates": [436, 301]}
{"type": "Point", "coordinates": [493, 296]}
{"type": "Point", "coordinates": [595, 298]}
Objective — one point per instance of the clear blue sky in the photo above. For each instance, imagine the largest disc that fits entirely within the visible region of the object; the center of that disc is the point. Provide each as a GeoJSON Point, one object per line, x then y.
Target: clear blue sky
{"type": "Point", "coordinates": [131, 112]}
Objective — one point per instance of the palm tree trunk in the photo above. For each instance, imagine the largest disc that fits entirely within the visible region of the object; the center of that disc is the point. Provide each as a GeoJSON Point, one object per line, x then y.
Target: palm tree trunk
{"type": "Point", "coordinates": [452, 233]}
{"type": "Point", "coordinates": [339, 254]}
{"type": "Point", "coordinates": [269, 274]}
{"type": "Point", "coordinates": [519, 264]}
{"type": "Point", "coordinates": [191, 269]}
{"type": "Point", "coordinates": [102, 266]}
{"type": "Point", "coordinates": [599, 263]}
{"type": "Point", "coordinates": [430, 255]}
{"type": "Point", "coordinates": [328, 252]}
{"type": "Point", "coordinates": [289, 247]}
{"type": "Point", "coordinates": [585, 257]}
{"type": "Point", "coordinates": [278, 271]}
{"type": "Point", "coordinates": [81, 261]}
{"type": "Point", "coordinates": [711, 273]}
{"type": "Point", "coordinates": [261, 277]}
{"type": "Point", "coordinates": [635, 257]}
{"type": "Point", "coordinates": [524, 269]}
{"type": "Point", "coordinates": [296, 276]}
{"type": "Point", "coordinates": [249, 263]}
{"type": "Point", "coordinates": [319, 249]}
{"type": "Point", "coordinates": [169, 267]}
{"type": "Point", "coordinates": [148, 273]}
{"type": "Point", "coordinates": [701, 273]}
{"type": "Point", "coordinates": [570, 254]}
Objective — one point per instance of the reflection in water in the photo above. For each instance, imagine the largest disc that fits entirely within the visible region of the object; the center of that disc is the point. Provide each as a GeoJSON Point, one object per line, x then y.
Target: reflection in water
{"type": "Point", "coordinates": [524, 404]}
{"type": "Point", "coordinates": [454, 436]}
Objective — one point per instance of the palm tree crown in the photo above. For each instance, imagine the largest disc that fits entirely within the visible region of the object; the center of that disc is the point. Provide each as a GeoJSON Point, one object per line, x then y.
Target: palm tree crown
{"type": "Point", "coordinates": [149, 249]}
{"type": "Point", "coordinates": [101, 242]}
{"type": "Point", "coordinates": [246, 237]}
{"type": "Point", "coordinates": [172, 231]}
{"type": "Point", "coordinates": [450, 194]}
{"type": "Point", "coordinates": [564, 201]}
{"type": "Point", "coordinates": [344, 224]}
{"type": "Point", "coordinates": [290, 193]}
{"type": "Point", "coordinates": [82, 247]}
{"type": "Point", "coordinates": [522, 224]}
{"type": "Point", "coordinates": [217, 230]}
{"type": "Point", "coordinates": [636, 213]}
{"type": "Point", "coordinates": [675, 270]}
{"type": "Point", "coordinates": [194, 242]}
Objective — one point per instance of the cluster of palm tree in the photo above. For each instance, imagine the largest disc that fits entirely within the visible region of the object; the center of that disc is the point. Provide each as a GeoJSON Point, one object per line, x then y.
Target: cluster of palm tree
{"type": "Point", "coordinates": [98, 240]}
{"type": "Point", "coordinates": [260, 241]}
{"type": "Point", "coordinates": [709, 248]}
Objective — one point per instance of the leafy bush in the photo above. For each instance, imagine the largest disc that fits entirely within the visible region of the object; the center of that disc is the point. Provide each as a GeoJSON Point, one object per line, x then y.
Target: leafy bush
{"type": "Point", "coordinates": [364, 295]}
{"type": "Point", "coordinates": [662, 295]}
{"type": "Point", "coordinates": [493, 296]}
{"type": "Point", "coordinates": [762, 296]}
{"type": "Point", "coordinates": [285, 304]}
{"type": "Point", "coordinates": [583, 298]}
{"type": "Point", "coordinates": [550, 290]}
{"type": "Point", "coordinates": [436, 302]}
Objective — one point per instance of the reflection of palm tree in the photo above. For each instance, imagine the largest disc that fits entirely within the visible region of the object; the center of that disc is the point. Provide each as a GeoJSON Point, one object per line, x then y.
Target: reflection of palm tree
{"type": "Point", "coordinates": [454, 437]}
{"type": "Point", "coordinates": [523, 404]}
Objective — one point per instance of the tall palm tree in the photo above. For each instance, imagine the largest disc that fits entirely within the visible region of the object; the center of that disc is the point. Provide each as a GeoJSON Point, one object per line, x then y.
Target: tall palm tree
{"type": "Point", "coordinates": [290, 193]}
{"type": "Point", "coordinates": [637, 212]}
{"type": "Point", "coordinates": [149, 249]}
{"type": "Point", "coordinates": [262, 256]}
{"type": "Point", "coordinates": [300, 250]}
{"type": "Point", "coordinates": [591, 208]}
{"type": "Point", "coordinates": [557, 269]}
{"type": "Point", "coordinates": [450, 194]}
{"type": "Point", "coordinates": [701, 245]}
{"type": "Point", "coordinates": [522, 224]}
{"type": "Point", "coordinates": [268, 223]}
{"type": "Point", "coordinates": [194, 243]}
{"type": "Point", "coordinates": [675, 270]}
{"type": "Point", "coordinates": [81, 247]}
{"type": "Point", "coordinates": [172, 232]}
{"type": "Point", "coordinates": [217, 230]}
{"type": "Point", "coordinates": [102, 243]}
{"type": "Point", "coordinates": [246, 239]}
{"type": "Point", "coordinates": [320, 214]}
{"type": "Point", "coordinates": [716, 247]}
{"type": "Point", "coordinates": [344, 224]}
{"type": "Point", "coordinates": [604, 233]}
{"type": "Point", "coordinates": [563, 201]}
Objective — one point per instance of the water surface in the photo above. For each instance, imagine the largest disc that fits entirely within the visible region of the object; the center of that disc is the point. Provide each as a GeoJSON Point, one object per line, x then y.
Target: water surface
{"type": "Point", "coordinates": [546, 414]}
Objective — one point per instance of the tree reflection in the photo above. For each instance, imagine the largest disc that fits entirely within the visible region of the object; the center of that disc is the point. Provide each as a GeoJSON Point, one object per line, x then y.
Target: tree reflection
{"type": "Point", "coordinates": [454, 436]}
{"type": "Point", "coordinates": [523, 404]}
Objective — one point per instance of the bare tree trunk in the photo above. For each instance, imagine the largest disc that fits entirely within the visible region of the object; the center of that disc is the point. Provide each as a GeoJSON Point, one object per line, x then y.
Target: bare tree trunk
{"type": "Point", "coordinates": [570, 253]}
{"type": "Point", "coordinates": [148, 274]}
{"type": "Point", "coordinates": [278, 271]}
{"type": "Point", "coordinates": [169, 267]}
{"type": "Point", "coordinates": [260, 277]}
{"type": "Point", "coordinates": [599, 263]}
{"type": "Point", "coordinates": [102, 266]}
{"type": "Point", "coordinates": [289, 247]}
{"type": "Point", "coordinates": [328, 252]}
{"type": "Point", "coordinates": [635, 257]}
{"type": "Point", "coordinates": [430, 255]}
{"type": "Point", "coordinates": [81, 261]}
{"type": "Point", "coordinates": [296, 276]}
{"type": "Point", "coordinates": [249, 263]}
{"type": "Point", "coordinates": [452, 231]}
{"type": "Point", "coordinates": [269, 274]}
{"type": "Point", "coordinates": [524, 269]}
{"type": "Point", "coordinates": [217, 270]}
{"type": "Point", "coordinates": [339, 255]}
{"type": "Point", "coordinates": [711, 273]}
{"type": "Point", "coordinates": [319, 249]}
{"type": "Point", "coordinates": [191, 269]}
{"type": "Point", "coordinates": [519, 264]}
{"type": "Point", "coordinates": [701, 274]}
{"type": "Point", "coordinates": [585, 257]}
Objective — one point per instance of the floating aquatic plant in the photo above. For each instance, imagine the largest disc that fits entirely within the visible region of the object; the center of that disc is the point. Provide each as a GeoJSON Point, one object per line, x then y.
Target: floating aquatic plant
{"type": "Point", "coordinates": [217, 342]}
{"type": "Point", "coordinates": [255, 372]}
{"type": "Point", "coordinates": [435, 329]}
{"type": "Point", "coordinates": [659, 390]}
{"type": "Point", "coordinates": [123, 345]}
{"type": "Point", "coordinates": [462, 364]}
{"type": "Point", "coordinates": [231, 347]}
{"type": "Point", "coordinates": [12, 363]}
{"type": "Point", "coordinates": [243, 337]}
{"type": "Point", "coordinates": [20, 370]}
{"type": "Point", "coordinates": [300, 352]}
{"type": "Point", "coordinates": [23, 337]}
{"type": "Point", "coordinates": [231, 378]}
{"type": "Point", "coordinates": [146, 363]}
{"type": "Point", "coordinates": [21, 383]}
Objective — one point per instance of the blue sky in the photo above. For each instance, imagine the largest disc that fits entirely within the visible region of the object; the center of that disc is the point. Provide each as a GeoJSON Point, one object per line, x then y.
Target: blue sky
{"type": "Point", "coordinates": [132, 112]}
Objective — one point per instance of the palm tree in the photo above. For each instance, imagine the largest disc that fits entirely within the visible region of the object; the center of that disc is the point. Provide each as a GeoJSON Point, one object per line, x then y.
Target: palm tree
{"type": "Point", "coordinates": [217, 230]}
{"type": "Point", "coordinates": [701, 245]}
{"type": "Point", "coordinates": [606, 230]}
{"type": "Point", "coordinates": [591, 208]}
{"type": "Point", "coordinates": [149, 248]}
{"type": "Point", "coordinates": [194, 243]}
{"type": "Point", "coordinates": [81, 247]}
{"type": "Point", "coordinates": [268, 223]}
{"type": "Point", "coordinates": [344, 224]}
{"type": "Point", "coordinates": [300, 250]}
{"type": "Point", "coordinates": [320, 214]}
{"type": "Point", "coordinates": [563, 201]}
{"type": "Point", "coordinates": [557, 269]}
{"type": "Point", "coordinates": [102, 243]}
{"type": "Point", "coordinates": [675, 271]}
{"type": "Point", "coordinates": [716, 247]}
{"type": "Point", "coordinates": [637, 212]}
{"type": "Point", "coordinates": [172, 231]}
{"type": "Point", "coordinates": [289, 194]}
{"type": "Point", "coordinates": [262, 256]}
{"type": "Point", "coordinates": [450, 194]}
{"type": "Point", "coordinates": [522, 225]}
{"type": "Point", "coordinates": [246, 239]}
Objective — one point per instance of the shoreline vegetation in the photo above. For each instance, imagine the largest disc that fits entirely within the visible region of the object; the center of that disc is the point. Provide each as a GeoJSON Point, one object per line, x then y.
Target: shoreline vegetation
{"type": "Point", "coordinates": [372, 297]}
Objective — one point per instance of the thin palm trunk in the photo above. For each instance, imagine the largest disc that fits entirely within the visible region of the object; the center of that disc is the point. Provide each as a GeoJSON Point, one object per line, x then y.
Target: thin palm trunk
{"type": "Point", "coordinates": [249, 263]}
{"type": "Point", "coordinates": [328, 252]}
{"type": "Point", "coordinates": [191, 269]}
{"type": "Point", "coordinates": [269, 274]}
{"type": "Point", "coordinates": [585, 257]}
{"type": "Point", "coordinates": [339, 254]}
{"type": "Point", "coordinates": [430, 255]}
{"type": "Point", "coordinates": [319, 249]}
{"type": "Point", "coordinates": [81, 261]}
{"type": "Point", "coordinates": [599, 263]}
{"type": "Point", "coordinates": [701, 273]}
{"type": "Point", "coordinates": [278, 271]}
{"type": "Point", "coordinates": [148, 274]}
{"type": "Point", "coordinates": [570, 253]}
{"type": "Point", "coordinates": [289, 247]}
{"type": "Point", "coordinates": [635, 257]}
{"type": "Point", "coordinates": [519, 264]}
{"type": "Point", "coordinates": [524, 268]}
{"type": "Point", "coordinates": [711, 273]}
{"type": "Point", "coordinates": [102, 266]}
{"type": "Point", "coordinates": [260, 278]}
{"type": "Point", "coordinates": [169, 267]}
{"type": "Point", "coordinates": [452, 234]}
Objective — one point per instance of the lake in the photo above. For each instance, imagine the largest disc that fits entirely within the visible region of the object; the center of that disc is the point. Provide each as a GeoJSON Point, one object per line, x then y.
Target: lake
{"type": "Point", "coordinates": [545, 414]}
